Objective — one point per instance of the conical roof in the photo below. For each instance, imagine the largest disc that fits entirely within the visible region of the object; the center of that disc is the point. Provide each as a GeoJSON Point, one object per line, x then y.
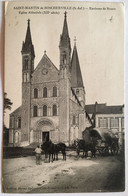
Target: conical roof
{"type": "Point", "coordinates": [27, 45]}
{"type": "Point", "coordinates": [64, 38]}
{"type": "Point", "coordinates": [76, 76]}
{"type": "Point", "coordinates": [28, 39]}
{"type": "Point", "coordinates": [65, 27]}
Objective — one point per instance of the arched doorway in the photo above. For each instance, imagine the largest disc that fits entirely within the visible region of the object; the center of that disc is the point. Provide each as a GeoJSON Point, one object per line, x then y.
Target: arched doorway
{"type": "Point", "coordinates": [44, 128]}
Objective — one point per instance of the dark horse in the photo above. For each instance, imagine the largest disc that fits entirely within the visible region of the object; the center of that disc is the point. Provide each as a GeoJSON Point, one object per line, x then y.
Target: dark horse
{"type": "Point", "coordinates": [85, 147]}
{"type": "Point", "coordinates": [60, 147]}
{"type": "Point", "coordinates": [52, 150]}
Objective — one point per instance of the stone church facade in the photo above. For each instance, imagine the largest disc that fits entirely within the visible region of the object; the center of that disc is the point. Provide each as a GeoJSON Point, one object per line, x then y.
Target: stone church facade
{"type": "Point", "coordinates": [53, 100]}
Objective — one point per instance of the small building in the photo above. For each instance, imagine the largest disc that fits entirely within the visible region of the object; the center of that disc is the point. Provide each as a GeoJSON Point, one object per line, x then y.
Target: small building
{"type": "Point", "coordinates": [107, 117]}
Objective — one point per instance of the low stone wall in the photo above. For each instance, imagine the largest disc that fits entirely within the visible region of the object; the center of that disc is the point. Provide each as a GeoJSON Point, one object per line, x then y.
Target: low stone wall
{"type": "Point", "coordinates": [12, 152]}
{"type": "Point", "coordinates": [15, 152]}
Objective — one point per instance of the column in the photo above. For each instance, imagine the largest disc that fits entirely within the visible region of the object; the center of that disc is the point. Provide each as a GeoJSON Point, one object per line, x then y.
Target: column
{"type": "Point", "coordinates": [49, 111]}
{"type": "Point", "coordinates": [71, 135]}
{"type": "Point", "coordinates": [76, 132]}
{"type": "Point", "coordinates": [108, 123]}
{"type": "Point", "coordinates": [11, 132]}
{"type": "Point", "coordinates": [97, 121]}
{"type": "Point", "coordinates": [49, 92]}
{"type": "Point", "coordinates": [31, 136]}
{"type": "Point", "coordinates": [120, 127]}
{"type": "Point", "coordinates": [16, 137]}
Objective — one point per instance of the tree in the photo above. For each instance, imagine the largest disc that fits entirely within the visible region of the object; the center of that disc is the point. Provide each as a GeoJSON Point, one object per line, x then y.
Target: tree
{"type": "Point", "coordinates": [7, 106]}
{"type": "Point", "coordinates": [7, 103]}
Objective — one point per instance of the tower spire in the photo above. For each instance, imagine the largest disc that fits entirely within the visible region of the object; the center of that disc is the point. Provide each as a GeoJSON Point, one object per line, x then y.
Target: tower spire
{"type": "Point", "coordinates": [64, 38]}
{"type": "Point", "coordinates": [75, 41]}
{"type": "Point", "coordinates": [65, 14]}
{"type": "Point", "coordinates": [28, 21]}
{"type": "Point", "coordinates": [65, 47]}
{"type": "Point", "coordinates": [65, 27]}
{"type": "Point", "coordinates": [27, 45]}
{"type": "Point", "coordinates": [28, 39]}
{"type": "Point", "coordinates": [76, 76]}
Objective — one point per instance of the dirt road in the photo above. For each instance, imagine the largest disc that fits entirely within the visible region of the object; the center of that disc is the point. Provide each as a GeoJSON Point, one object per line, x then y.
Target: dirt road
{"type": "Point", "coordinates": [21, 175]}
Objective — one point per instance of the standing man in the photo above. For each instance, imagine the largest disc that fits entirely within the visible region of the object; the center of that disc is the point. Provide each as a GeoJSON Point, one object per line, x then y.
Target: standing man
{"type": "Point", "coordinates": [38, 155]}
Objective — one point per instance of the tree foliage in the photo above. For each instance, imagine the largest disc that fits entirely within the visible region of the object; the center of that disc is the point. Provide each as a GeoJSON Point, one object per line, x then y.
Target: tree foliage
{"type": "Point", "coordinates": [7, 103]}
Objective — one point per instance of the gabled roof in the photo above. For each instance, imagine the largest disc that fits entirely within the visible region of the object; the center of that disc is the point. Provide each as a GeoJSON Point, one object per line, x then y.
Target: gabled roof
{"type": "Point", "coordinates": [16, 110]}
{"type": "Point", "coordinates": [45, 61]}
{"type": "Point", "coordinates": [45, 71]}
{"type": "Point", "coordinates": [92, 107]}
{"type": "Point", "coordinates": [112, 110]}
{"type": "Point", "coordinates": [76, 76]}
{"type": "Point", "coordinates": [103, 109]}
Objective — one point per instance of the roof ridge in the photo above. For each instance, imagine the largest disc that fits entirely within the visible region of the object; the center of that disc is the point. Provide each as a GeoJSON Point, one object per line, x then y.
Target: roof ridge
{"type": "Point", "coordinates": [16, 110]}
{"type": "Point", "coordinates": [46, 57]}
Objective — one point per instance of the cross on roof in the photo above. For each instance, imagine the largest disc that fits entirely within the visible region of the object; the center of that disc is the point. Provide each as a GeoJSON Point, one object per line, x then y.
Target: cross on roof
{"type": "Point", "coordinates": [28, 21]}
{"type": "Point", "coordinates": [75, 40]}
{"type": "Point", "coordinates": [65, 14]}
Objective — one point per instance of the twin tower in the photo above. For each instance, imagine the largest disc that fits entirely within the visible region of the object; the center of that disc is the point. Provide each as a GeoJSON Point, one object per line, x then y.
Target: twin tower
{"type": "Point", "coordinates": [53, 100]}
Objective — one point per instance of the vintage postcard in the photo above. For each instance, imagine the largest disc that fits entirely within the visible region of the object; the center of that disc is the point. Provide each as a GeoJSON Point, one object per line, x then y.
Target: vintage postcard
{"type": "Point", "coordinates": [63, 98]}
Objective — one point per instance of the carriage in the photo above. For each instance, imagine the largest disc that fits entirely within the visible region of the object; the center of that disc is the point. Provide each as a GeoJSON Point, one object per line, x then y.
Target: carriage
{"type": "Point", "coordinates": [105, 141]}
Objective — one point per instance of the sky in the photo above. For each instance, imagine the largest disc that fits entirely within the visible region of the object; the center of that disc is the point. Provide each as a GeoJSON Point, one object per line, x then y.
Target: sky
{"type": "Point", "coordinates": [99, 30]}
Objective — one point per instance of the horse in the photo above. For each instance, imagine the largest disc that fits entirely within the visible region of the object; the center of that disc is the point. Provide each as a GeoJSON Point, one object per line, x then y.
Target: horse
{"type": "Point", "coordinates": [52, 149]}
{"type": "Point", "coordinates": [85, 147]}
{"type": "Point", "coordinates": [79, 145]}
{"type": "Point", "coordinates": [60, 147]}
{"type": "Point", "coordinates": [48, 148]}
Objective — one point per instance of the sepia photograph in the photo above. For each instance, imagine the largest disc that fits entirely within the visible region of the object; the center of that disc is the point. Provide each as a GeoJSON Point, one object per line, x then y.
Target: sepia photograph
{"type": "Point", "coordinates": [63, 129]}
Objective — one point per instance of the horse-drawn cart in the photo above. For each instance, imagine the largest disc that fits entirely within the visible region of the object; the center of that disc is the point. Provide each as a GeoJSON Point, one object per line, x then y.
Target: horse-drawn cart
{"type": "Point", "coordinates": [106, 142]}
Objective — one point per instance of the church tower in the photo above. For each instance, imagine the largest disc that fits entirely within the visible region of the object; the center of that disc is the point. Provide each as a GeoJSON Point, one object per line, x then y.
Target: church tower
{"type": "Point", "coordinates": [28, 56]}
{"type": "Point", "coordinates": [64, 82]}
{"type": "Point", "coordinates": [65, 47]}
{"type": "Point", "coordinates": [76, 77]}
